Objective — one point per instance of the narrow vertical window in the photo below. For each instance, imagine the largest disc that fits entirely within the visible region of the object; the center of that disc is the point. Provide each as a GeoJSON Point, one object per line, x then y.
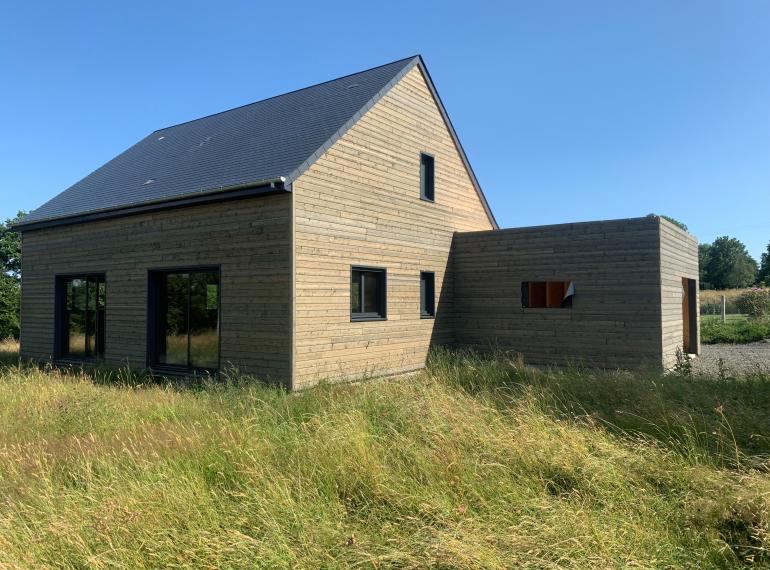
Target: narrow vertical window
{"type": "Point", "coordinates": [367, 294]}
{"type": "Point", "coordinates": [185, 319]}
{"type": "Point", "coordinates": [80, 320]}
{"type": "Point", "coordinates": [427, 294]}
{"type": "Point", "coordinates": [427, 177]}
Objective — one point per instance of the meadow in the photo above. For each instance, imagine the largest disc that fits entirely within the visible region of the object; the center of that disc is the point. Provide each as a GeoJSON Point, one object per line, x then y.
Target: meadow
{"type": "Point", "coordinates": [474, 463]}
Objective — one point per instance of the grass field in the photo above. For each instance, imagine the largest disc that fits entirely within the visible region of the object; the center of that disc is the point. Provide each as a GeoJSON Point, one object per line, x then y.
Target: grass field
{"type": "Point", "coordinates": [475, 463]}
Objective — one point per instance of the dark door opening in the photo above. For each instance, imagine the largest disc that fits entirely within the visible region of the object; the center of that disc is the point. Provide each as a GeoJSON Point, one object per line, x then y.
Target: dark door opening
{"type": "Point", "coordinates": [689, 316]}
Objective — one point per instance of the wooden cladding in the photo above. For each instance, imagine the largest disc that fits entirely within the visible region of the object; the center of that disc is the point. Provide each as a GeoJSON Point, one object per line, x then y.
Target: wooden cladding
{"type": "Point", "coordinates": [547, 294]}
{"type": "Point", "coordinates": [248, 240]}
{"type": "Point", "coordinates": [359, 204]}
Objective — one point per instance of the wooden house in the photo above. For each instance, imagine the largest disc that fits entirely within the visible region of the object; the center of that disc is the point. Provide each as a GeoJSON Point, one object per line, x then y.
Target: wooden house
{"type": "Point", "coordinates": [334, 232]}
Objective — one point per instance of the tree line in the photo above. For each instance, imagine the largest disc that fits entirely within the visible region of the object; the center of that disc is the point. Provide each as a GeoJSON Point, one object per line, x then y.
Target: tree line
{"type": "Point", "coordinates": [726, 264]}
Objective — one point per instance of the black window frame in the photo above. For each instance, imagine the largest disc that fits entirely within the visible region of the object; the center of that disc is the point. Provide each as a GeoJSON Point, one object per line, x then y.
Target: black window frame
{"type": "Point", "coordinates": [382, 297]}
{"type": "Point", "coordinates": [153, 321]}
{"type": "Point", "coordinates": [427, 177]}
{"type": "Point", "coordinates": [429, 311]}
{"type": "Point", "coordinates": [61, 317]}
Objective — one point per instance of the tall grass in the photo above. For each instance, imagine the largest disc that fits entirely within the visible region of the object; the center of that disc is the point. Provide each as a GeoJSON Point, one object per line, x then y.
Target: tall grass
{"type": "Point", "coordinates": [475, 463]}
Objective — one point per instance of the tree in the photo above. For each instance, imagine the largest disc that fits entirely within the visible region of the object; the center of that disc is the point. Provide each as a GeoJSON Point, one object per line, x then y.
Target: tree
{"type": "Point", "coordinates": [10, 278]}
{"type": "Point", "coordinates": [10, 247]}
{"type": "Point", "coordinates": [10, 299]}
{"type": "Point", "coordinates": [763, 276]}
{"type": "Point", "coordinates": [703, 259]}
{"type": "Point", "coordinates": [729, 264]}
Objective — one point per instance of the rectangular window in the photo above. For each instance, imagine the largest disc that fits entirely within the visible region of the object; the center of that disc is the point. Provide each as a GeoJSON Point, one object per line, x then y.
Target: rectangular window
{"type": "Point", "coordinates": [547, 294]}
{"type": "Point", "coordinates": [184, 319]}
{"type": "Point", "coordinates": [427, 294]}
{"type": "Point", "coordinates": [367, 294]}
{"type": "Point", "coordinates": [80, 309]}
{"type": "Point", "coordinates": [427, 177]}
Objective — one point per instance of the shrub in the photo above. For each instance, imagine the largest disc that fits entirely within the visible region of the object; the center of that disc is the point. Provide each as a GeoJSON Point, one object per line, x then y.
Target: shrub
{"type": "Point", "coordinates": [755, 302]}
{"type": "Point", "coordinates": [734, 331]}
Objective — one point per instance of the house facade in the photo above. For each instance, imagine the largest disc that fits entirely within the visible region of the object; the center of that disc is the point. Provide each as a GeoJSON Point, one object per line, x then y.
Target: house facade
{"type": "Point", "coordinates": [330, 233]}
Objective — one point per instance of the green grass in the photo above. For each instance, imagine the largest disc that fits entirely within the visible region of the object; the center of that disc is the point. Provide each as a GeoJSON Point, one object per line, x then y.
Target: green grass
{"type": "Point", "coordinates": [476, 463]}
{"type": "Point", "coordinates": [736, 329]}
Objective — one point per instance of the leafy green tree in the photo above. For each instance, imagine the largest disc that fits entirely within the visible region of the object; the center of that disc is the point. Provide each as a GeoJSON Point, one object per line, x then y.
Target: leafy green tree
{"type": "Point", "coordinates": [729, 264]}
{"type": "Point", "coordinates": [10, 247]}
{"type": "Point", "coordinates": [10, 301]}
{"type": "Point", "coordinates": [703, 259]}
{"type": "Point", "coordinates": [763, 276]}
{"type": "Point", "coordinates": [10, 278]}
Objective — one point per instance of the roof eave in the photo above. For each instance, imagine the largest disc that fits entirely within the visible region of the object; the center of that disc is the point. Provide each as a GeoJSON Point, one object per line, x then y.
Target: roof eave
{"type": "Point", "coordinates": [246, 190]}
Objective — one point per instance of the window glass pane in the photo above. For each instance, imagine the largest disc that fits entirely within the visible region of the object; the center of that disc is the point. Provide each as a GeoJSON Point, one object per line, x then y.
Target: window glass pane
{"type": "Point", "coordinates": [91, 289]}
{"type": "Point", "coordinates": [212, 296]}
{"type": "Point", "coordinates": [371, 292]}
{"type": "Point", "coordinates": [423, 299]}
{"type": "Point", "coordinates": [76, 322]}
{"type": "Point", "coordinates": [426, 176]}
{"type": "Point", "coordinates": [204, 320]}
{"type": "Point", "coordinates": [173, 296]}
{"type": "Point", "coordinates": [102, 293]}
{"type": "Point", "coordinates": [90, 326]}
{"type": "Point", "coordinates": [427, 294]}
{"type": "Point", "coordinates": [355, 292]}
{"type": "Point", "coordinates": [78, 295]}
{"type": "Point", "coordinates": [80, 317]}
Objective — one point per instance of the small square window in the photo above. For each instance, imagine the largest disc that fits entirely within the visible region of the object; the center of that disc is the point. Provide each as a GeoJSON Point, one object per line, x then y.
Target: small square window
{"type": "Point", "coordinates": [427, 177]}
{"type": "Point", "coordinates": [367, 294]}
{"type": "Point", "coordinates": [547, 294]}
{"type": "Point", "coordinates": [427, 294]}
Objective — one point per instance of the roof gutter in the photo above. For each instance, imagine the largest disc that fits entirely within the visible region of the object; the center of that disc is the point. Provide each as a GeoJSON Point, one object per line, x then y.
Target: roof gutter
{"type": "Point", "coordinates": [236, 191]}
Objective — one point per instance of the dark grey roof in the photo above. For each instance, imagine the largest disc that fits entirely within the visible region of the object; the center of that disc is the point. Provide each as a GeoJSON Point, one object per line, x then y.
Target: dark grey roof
{"type": "Point", "coordinates": [271, 141]}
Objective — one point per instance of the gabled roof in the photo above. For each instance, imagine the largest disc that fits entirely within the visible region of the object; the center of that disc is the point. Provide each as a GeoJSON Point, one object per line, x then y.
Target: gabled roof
{"type": "Point", "coordinates": [258, 148]}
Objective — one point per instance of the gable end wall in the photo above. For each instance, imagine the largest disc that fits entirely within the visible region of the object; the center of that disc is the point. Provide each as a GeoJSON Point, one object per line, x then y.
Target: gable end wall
{"type": "Point", "coordinates": [359, 204]}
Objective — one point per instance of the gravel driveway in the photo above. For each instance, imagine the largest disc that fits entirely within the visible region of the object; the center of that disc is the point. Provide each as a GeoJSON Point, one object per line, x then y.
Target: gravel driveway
{"type": "Point", "coordinates": [754, 357]}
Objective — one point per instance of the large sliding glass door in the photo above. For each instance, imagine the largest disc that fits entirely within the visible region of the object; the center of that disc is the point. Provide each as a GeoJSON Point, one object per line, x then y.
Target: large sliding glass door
{"type": "Point", "coordinates": [80, 316]}
{"type": "Point", "coordinates": [184, 319]}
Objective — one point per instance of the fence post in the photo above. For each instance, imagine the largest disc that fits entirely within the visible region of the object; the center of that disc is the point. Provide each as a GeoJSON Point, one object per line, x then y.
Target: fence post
{"type": "Point", "coordinates": [724, 309]}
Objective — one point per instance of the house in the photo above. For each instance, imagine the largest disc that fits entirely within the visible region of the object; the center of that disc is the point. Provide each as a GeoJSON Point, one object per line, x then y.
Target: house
{"type": "Point", "coordinates": [333, 232]}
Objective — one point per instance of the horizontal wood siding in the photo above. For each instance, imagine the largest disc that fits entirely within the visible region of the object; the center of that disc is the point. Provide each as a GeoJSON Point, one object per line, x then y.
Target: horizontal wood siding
{"type": "Point", "coordinates": [615, 320]}
{"type": "Point", "coordinates": [678, 259]}
{"type": "Point", "coordinates": [359, 204]}
{"type": "Point", "coordinates": [249, 239]}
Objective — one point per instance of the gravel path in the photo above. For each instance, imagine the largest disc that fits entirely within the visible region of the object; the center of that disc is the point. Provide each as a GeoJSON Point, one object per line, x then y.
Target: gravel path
{"type": "Point", "coordinates": [754, 357]}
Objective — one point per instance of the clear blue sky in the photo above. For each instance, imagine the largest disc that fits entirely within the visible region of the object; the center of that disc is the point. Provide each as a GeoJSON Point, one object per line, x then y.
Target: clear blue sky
{"type": "Point", "coordinates": [568, 110]}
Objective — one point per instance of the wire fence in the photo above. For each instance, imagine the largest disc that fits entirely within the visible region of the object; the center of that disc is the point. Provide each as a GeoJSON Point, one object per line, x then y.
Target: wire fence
{"type": "Point", "coordinates": [713, 308]}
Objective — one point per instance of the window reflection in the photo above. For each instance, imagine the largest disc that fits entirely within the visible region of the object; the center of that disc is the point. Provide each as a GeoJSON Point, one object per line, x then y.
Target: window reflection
{"type": "Point", "coordinates": [188, 319]}
{"type": "Point", "coordinates": [82, 317]}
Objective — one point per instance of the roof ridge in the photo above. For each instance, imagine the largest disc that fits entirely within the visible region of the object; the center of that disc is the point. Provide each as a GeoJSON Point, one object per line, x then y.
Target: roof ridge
{"type": "Point", "coordinates": [286, 93]}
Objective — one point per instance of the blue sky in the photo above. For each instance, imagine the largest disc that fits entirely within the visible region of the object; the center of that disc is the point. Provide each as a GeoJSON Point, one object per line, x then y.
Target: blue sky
{"type": "Point", "coordinates": [568, 110]}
